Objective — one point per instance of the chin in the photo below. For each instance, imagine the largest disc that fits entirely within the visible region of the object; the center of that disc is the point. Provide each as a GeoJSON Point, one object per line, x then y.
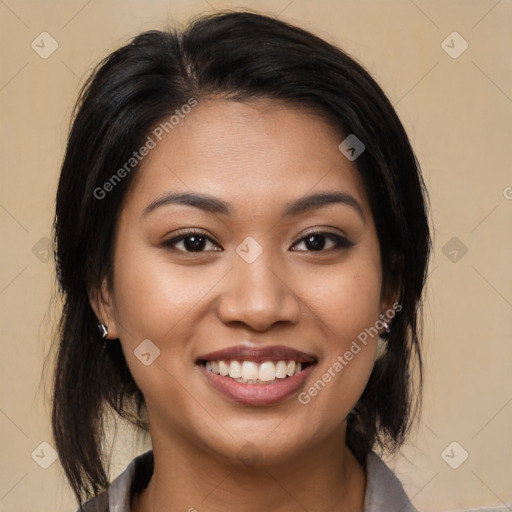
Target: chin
{"type": "Point", "coordinates": [258, 447]}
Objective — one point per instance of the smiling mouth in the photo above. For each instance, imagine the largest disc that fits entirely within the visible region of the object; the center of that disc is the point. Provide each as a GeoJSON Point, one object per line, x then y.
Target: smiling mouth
{"type": "Point", "coordinates": [251, 372]}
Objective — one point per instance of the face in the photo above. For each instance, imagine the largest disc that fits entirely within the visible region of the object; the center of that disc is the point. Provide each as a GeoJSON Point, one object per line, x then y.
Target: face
{"type": "Point", "coordinates": [254, 269]}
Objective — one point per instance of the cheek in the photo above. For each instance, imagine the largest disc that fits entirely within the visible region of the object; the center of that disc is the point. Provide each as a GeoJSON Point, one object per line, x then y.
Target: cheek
{"type": "Point", "coordinates": [346, 300]}
{"type": "Point", "coordinates": [153, 296]}
{"type": "Point", "coordinates": [158, 301]}
{"type": "Point", "coordinates": [348, 306]}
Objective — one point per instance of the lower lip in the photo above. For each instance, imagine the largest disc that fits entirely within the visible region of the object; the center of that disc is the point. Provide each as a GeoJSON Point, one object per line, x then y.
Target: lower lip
{"type": "Point", "coordinates": [257, 394]}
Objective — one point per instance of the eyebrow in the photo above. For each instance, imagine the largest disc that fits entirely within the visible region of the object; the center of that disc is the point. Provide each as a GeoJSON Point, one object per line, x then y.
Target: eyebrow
{"type": "Point", "coordinates": [212, 204]}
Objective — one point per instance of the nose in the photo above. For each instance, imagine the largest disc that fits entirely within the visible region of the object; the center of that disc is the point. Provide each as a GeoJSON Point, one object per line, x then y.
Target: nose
{"type": "Point", "coordinates": [258, 295]}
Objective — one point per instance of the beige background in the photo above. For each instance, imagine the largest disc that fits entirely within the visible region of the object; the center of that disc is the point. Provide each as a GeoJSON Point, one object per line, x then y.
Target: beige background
{"type": "Point", "coordinates": [458, 113]}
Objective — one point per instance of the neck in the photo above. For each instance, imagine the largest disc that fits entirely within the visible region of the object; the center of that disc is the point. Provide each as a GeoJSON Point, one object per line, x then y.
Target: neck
{"type": "Point", "coordinates": [322, 477]}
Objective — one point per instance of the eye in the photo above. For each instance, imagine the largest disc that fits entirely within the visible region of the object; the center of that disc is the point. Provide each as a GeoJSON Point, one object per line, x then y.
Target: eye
{"type": "Point", "coordinates": [192, 241]}
{"type": "Point", "coordinates": [317, 241]}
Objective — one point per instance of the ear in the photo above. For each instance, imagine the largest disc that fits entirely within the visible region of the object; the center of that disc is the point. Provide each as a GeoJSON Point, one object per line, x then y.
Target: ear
{"type": "Point", "coordinates": [102, 303]}
{"type": "Point", "coordinates": [391, 290]}
{"type": "Point", "coordinates": [389, 303]}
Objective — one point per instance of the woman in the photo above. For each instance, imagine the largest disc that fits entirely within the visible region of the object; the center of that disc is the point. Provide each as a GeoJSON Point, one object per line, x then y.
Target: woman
{"type": "Point", "coordinates": [242, 217]}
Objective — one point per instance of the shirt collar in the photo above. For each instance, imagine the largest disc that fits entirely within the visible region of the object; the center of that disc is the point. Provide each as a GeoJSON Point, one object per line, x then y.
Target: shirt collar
{"type": "Point", "coordinates": [384, 492]}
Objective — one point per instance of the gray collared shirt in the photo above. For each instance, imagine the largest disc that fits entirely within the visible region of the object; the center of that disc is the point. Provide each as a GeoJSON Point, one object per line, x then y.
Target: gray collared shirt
{"type": "Point", "coordinates": [384, 492]}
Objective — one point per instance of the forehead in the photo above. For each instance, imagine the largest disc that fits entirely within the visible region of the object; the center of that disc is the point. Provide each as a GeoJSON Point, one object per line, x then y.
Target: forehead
{"type": "Point", "coordinates": [255, 154]}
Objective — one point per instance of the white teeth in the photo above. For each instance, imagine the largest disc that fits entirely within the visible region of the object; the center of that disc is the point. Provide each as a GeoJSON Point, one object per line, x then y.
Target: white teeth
{"type": "Point", "coordinates": [235, 370]}
{"type": "Point", "coordinates": [281, 367]}
{"type": "Point", "coordinates": [267, 371]}
{"type": "Point", "coordinates": [250, 372]}
{"type": "Point", "coordinates": [223, 368]}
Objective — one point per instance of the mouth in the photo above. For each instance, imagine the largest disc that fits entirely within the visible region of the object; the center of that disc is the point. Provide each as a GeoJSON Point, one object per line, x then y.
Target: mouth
{"type": "Point", "coordinates": [256, 376]}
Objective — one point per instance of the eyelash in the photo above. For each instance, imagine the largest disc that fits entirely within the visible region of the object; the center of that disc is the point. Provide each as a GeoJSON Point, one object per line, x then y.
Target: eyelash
{"type": "Point", "coordinates": [340, 242]}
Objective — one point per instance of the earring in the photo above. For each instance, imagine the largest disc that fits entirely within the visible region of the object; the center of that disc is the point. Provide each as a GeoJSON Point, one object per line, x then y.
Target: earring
{"type": "Point", "coordinates": [103, 333]}
{"type": "Point", "coordinates": [381, 342]}
{"type": "Point", "coordinates": [103, 330]}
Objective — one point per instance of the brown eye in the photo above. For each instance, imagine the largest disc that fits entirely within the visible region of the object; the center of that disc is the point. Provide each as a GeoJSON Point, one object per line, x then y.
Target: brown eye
{"type": "Point", "coordinates": [190, 242]}
{"type": "Point", "coordinates": [317, 242]}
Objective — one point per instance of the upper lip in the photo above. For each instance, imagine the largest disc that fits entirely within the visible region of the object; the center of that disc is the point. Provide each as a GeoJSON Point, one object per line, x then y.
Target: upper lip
{"type": "Point", "coordinates": [257, 354]}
